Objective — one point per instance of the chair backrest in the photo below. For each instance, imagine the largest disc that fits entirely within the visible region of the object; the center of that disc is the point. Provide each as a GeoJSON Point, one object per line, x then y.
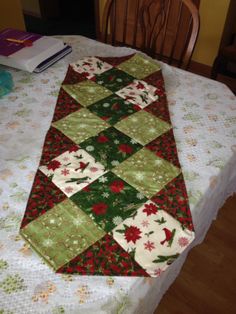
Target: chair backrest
{"type": "Point", "coordinates": [164, 29]}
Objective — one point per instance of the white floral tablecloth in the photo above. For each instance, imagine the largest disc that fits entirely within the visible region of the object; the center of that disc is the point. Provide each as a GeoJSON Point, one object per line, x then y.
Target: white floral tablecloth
{"type": "Point", "coordinates": [203, 113]}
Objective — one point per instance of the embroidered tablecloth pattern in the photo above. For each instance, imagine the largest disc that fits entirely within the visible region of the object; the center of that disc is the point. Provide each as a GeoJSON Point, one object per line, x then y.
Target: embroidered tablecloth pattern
{"type": "Point", "coordinates": [109, 196]}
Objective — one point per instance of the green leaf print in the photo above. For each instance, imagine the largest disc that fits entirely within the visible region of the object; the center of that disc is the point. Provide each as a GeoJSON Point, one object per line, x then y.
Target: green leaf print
{"type": "Point", "coordinates": [169, 259]}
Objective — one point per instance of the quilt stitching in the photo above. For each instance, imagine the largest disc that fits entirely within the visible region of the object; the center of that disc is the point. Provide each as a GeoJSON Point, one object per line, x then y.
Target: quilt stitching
{"type": "Point", "coordinates": [109, 197]}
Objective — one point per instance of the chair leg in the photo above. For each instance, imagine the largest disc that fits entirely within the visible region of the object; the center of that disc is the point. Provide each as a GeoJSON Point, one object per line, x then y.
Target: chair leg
{"type": "Point", "coordinates": [215, 67]}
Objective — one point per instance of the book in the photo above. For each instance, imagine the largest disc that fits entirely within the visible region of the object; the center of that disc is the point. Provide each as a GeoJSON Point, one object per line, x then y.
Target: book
{"type": "Point", "coordinates": [26, 51]}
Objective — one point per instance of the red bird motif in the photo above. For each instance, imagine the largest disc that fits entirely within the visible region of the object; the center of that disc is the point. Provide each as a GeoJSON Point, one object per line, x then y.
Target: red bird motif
{"type": "Point", "coordinates": [82, 166]}
{"type": "Point", "coordinates": [169, 236]}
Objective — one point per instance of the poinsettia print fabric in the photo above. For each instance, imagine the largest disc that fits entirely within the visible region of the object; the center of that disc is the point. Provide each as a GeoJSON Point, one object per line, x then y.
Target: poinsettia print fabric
{"type": "Point", "coordinates": [153, 238]}
{"type": "Point", "coordinates": [73, 170]}
{"type": "Point", "coordinates": [109, 196]}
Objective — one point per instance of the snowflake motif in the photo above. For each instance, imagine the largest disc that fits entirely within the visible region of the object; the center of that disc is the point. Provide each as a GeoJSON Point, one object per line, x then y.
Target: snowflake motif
{"type": "Point", "coordinates": [100, 82]}
{"type": "Point", "coordinates": [183, 241]}
{"type": "Point", "coordinates": [78, 221]}
{"type": "Point", "coordinates": [158, 162]}
{"type": "Point", "coordinates": [145, 223]}
{"type": "Point", "coordinates": [132, 141]}
{"type": "Point", "coordinates": [48, 243]}
{"type": "Point", "coordinates": [105, 194]}
{"type": "Point", "coordinates": [152, 131]}
{"type": "Point", "coordinates": [91, 90]}
{"type": "Point", "coordinates": [116, 142]}
{"type": "Point", "coordinates": [117, 220]}
{"type": "Point", "coordinates": [134, 119]}
{"type": "Point", "coordinates": [149, 246]}
{"type": "Point", "coordinates": [90, 148]}
{"type": "Point", "coordinates": [69, 189]}
{"type": "Point", "coordinates": [140, 196]}
{"type": "Point", "coordinates": [119, 80]}
{"type": "Point", "coordinates": [83, 126]}
{"type": "Point", "coordinates": [65, 172]}
{"type": "Point", "coordinates": [106, 105]}
{"type": "Point", "coordinates": [139, 176]}
{"type": "Point", "coordinates": [115, 163]}
{"type": "Point", "coordinates": [52, 221]}
{"type": "Point", "coordinates": [102, 179]}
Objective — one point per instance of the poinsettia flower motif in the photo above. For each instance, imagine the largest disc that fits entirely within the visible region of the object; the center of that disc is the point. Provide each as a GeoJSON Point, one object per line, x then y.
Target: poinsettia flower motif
{"type": "Point", "coordinates": [86, 74]}
{"type": "Point", "coordinates": [85, 63]}
{"type": "Point", "coordinates": [132, 233]}
{"type": "Point", "coordinates": [99, 208]}
{"type": "Point", "coordinates": [140, 85]}
{"type": "Point", "coordinates": [115, 106]}
{"type": "Point", "coordinates": [73, 148]}
{"type": "Point", "coordinates": [159, 92]}
{"type": "Point", "coordinates": [183, 241]}
{"type": "Point", "coordinates": [149, 246]}
{"type": "Point", "coordinates": [117, 186]}
{"type": "Point", "coordinates": [65, 172]}
{"type": "Point", "coordinates": [136, 108]}
{"type": "Point", "coordinates": [53, 165]}
{"type": "Point", "coordinates": [159, 83]}
{"type": "Point", "coordinates": [105, 118]}
{"type": "Point", "coordinates": [129, 97]}
{"type": "Point", "coordinates": [124, 148]}
{"type": "Point", "coordinates": [111, 78]}
{"type": "Point", "coordinates": [86, 188]}
{"type": "Point", "coordinates": [102, 139]}
{"type": "Point", "coordinates": [150, 209]}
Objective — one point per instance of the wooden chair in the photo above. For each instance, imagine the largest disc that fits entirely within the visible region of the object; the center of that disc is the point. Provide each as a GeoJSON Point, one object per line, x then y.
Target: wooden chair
{"type": "Point", "coordinates": [225, 57]}
{"type": "Point", "coordinates": [164, 29]}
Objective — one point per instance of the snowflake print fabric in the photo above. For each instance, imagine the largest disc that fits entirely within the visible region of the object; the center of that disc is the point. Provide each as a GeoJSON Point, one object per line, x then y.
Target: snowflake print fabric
{"type": "Point", "coordinates": [109, 196]}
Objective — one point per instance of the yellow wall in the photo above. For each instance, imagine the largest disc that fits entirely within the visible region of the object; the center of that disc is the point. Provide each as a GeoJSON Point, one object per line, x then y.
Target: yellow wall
{"type": "Point", "coordinates": [212, 14]}
{"type": "Point", "coordinates": [11, 14]}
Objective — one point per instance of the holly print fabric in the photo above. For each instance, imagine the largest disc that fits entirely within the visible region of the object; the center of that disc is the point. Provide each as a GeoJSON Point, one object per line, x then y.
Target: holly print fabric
{"type": "Point", "coordinates": [109, 196]}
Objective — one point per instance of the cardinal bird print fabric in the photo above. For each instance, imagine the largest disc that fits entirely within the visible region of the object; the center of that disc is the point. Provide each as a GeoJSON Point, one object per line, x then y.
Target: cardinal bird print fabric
{"type": "Point", "coordinates": [109, 196]}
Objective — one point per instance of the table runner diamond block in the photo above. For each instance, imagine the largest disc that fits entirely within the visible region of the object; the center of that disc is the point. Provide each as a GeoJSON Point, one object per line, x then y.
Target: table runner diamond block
{"type": "Point", "coordinates": [109, 196]}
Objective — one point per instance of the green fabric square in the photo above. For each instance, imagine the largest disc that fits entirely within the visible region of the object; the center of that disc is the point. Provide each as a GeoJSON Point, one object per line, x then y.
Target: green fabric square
{"type": "Point", "coordinates": [113, 109]}
{"type": "Point", "coordinates": [87, 92]}
{"type": "Point", "coordinates": [146, 172]}
{"type": "Point", "coordinates": [110, 147]}
{"type": "Point", "coordinates": [62, 233]}
{"type": "Point", "coordinates": [109, 200]}
{"type": "Point", "coordinates": [80, 125]}
{"type": "Point", "coordinates": [114, 79]}
{"type": "Point", "coordinates": [143, 127]}
{"type": "Point", "coordinates": [139, 67]}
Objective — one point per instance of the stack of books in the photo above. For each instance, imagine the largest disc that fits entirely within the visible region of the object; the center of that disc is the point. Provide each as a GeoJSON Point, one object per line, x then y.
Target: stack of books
{"type": "Point", "coordinates": [30, 52]}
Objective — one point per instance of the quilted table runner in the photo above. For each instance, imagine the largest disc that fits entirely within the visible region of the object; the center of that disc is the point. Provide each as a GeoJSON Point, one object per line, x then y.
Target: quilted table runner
{"type": "Point", "coordinates": [109, 196]}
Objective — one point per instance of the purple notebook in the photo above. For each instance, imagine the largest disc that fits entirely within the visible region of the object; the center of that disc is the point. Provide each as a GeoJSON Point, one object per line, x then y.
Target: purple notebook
{"type": "Point", "coordinates": [7, 48]}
